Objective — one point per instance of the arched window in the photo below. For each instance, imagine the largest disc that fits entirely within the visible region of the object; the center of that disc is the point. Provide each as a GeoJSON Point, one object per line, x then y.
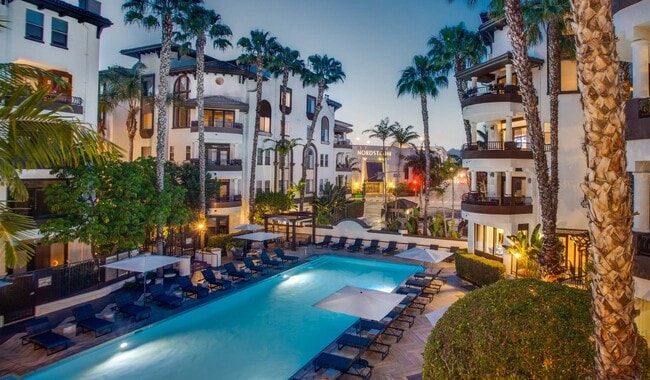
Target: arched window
{"type": "Point", "coordinates": [265, 117]}
{"type": "Point", "coordinates": [311, 158]}
{"type": "Point", "coordinates": [181, 94]}
{"type": "Point", "coordinates": [325, 130]}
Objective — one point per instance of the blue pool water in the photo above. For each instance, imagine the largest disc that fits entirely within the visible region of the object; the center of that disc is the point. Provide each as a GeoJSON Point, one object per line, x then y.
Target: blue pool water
{"type": "Point", "coordinates": [267, 331]}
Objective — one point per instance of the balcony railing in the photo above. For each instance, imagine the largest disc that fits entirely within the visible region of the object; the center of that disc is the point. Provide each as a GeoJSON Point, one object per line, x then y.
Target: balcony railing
{"type": "Point", "coordinates": [228, 201]}
{"type": "Point", "coordinates": [497, 149]}
{"type": "Point", "coordinates": [233, 165]}
{"type": "Point", "coordinates": [73, 104]}
{"type": "Point", "coordinates": [221, 127]}
{"type": "Point", "coordinates": [343, 143]}
{"type": "Point", "coordinates": [343, 168]}
{"type": "Point", "coordinates": [491, 94]}
{"type": "Point", "coordinates": [482, 204]}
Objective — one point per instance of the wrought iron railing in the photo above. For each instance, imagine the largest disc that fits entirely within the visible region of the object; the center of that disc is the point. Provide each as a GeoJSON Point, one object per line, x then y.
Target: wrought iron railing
{"type": "Point", "coordinates": [477, 198]}
{"type": "Point", "coordinates": [494, 89]}
{"type": "Point", "coordinates": [67, 99]}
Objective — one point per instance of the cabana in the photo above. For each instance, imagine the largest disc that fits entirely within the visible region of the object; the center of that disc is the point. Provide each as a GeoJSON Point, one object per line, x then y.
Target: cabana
{"type": "Point", "coordinates": [290, 219]}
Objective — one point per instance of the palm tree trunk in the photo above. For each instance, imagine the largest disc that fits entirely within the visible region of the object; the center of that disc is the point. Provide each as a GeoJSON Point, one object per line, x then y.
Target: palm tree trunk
{"type": "Point", "coordinates": [607, 191]}
{"type": "Point", "coordinates": [461, 89]}
{"type": "Point", "coordinates": [550, 258]}
{"type": "Point", "coordinates": [200, 76]}
{"type": "Point", "coordinates": [554, 57]}
{"type": "Point", "coordinates": [256, 133]}
{"type": "Point", "coordinates": [427, 162]}
{"type": "Point", "coordinates": [283, 127]}
{"type": "Point", "coordinates": [310, 137]}
{"type": "Point", "coordinates": [132, 124]}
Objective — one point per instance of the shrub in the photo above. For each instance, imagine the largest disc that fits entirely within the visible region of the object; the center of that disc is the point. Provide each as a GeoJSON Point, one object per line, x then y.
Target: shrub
{"type": "Point", "coordinates": [517, 329]}
{"type": "Point", "coordinates": [223, 240]}
{"type": "Point", "coordinates": [479, 270]}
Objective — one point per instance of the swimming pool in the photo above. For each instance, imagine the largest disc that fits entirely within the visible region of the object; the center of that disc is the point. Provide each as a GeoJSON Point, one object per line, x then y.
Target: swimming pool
{"type": "Point", "coordinates": [266, 331]}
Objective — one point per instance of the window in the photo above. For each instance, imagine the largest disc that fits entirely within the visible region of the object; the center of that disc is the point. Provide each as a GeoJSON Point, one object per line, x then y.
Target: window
{"type": "Point", "coordinates": [260, 156]}
{"type": "Point", "coordinates": [181, 94]}
{"type": "Point", "coordinates": [171, 153]}
{"type": "Point", "coordinates": [267, 157]}
{"type": "Point", "coordinates": [327, 156]}
{"type": "Point", "coordinates": [188, 152]}
{"type": "Point", "coordinates": [310, 159]}
{"type": "Point", "coordinates": [265, 117]}
{"type": "Point", "coordinates": [53, 88]}
{"type": "Point", "coordinates": [325, 130]}
{"type": "Point", "coordinates": [59, 33]}
{"type": "Point", "coordinates": [223, 187]}
{"type": "Point", "coordinates": [324, 160]}
{"type": "Point", "coordinates": [267, 186]}
{"type": "Point", "coordinates": [219, 118]}
{"type": "Point", "coordinates": [258, 187]}
{"type": "Point", "coordinates": [145, 151]}
{"type": "Point", "coordinates": [147, 108]}
{"type": "Point", "coordinates": [568, 75]}
{"type": "Point", "coordinates": [311, 105]}
{"type": "Point", "coordinates": [34, 25]}
{"type": "Point", "coordinates": [309, 185]}
{"type": "Point", "coordinates": [286, 102]}
{"type": "Point", "coordinates": [320, 185]}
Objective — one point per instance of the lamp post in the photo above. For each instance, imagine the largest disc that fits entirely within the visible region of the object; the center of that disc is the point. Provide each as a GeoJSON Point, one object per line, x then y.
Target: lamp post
{"type": "Point", "coordinates": [200, 228]}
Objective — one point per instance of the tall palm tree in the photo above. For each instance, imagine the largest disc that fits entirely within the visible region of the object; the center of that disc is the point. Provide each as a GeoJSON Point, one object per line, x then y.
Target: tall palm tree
{"type": "Point", "coordinates": [423, 79]}
{"type": "Point", "coordinates": [34, 136]}
{"type": "Point", "coordinates": [198, 24]}
{"type": "Point", "coordinates": [460, 47]}
{"type": "Point", "coordinates": [402, 136]}
{"type": "Point", "coordinates": [107, 101]}
{"type": "Point", "coordinates": [154, 14]}
{"type": "Point", "coordinates": [382, 131]}
{"type": "Point", "coordinates": [607, 191]}
{"type": "Point", "coordinates": [283, 147]}
{"type": "Point", "coordinates": [259, 50]}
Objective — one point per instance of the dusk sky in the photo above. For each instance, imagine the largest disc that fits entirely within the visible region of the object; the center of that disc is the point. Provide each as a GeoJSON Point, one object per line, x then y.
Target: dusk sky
{"type": "Point", "coordinates": [373, 39]}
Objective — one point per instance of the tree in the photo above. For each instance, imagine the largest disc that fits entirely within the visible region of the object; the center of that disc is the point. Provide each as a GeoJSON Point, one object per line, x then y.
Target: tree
{"type": "Point", "coordinates": [283, 148]}
{"type": "Point", "coordinates": [35, 137]}
{"type": "Point", "coordinates": [382, 131]}
{"type": "Point", "coordinates": [258, 50]}
{"type": "Point", "coordinates": [402, 136]}
{"type": "Point", "coordinates": [154, 14]}
{"type": "Point", "coordinates": [331, 201]}
{"type": "Point", "coordinates": [322, 71]}
{"type": "Point", "coordinates": [527, 250]}
{"type": "Point", "coordinates": [607, 190]}
{"type": "Point", "coordinates": [198, 24]}
{"type": "Point", "coordinates": [272, 203]}
{"type": "Point", "coordinates": [424, 78]}
{"type": "Point", "coordinates": [459, 47]}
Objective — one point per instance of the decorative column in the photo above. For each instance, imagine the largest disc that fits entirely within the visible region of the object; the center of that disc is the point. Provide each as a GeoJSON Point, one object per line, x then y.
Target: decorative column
{"type": "Point", "coordinates": [641, 202]}
{"type": "Point", "coordinates": [508, 189]}
{"type": "Point", "coordinates": [474, 134]}
{"type": "Point", "coordinates": [508, 128]}
{"type": "Point", "coordinates": [472, 176]}
{"type": "Point", "coordinates": [509, 74]}
{"type": "Point", "coordinates": [640, 61]}
{"type": "Point", "coordinates": [474, 82]}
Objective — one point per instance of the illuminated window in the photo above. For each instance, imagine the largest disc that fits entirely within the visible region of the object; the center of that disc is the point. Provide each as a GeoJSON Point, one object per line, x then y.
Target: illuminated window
{"type": "Point", "coordinates": [286, 102]}
{"type": "Point", "coordinates": [181, 94]}
{"type": "Point", "coordinates": [568, 75]}
{"type": "Point", "coordinates": [147, 108]}
{"type": "Point", "coordinates": [265, 117]}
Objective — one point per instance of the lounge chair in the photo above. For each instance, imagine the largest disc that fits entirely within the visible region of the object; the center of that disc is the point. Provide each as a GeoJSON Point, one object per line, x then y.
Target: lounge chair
{"type": "Point", "coordinates": [400, 316]}
{"type": "Point", "coordinates": [352, 366]}
{"type": "Point", "coordinates": [411, 245]}
{"type": "Point", "coordinates": [412, 299]}
{"type": "Point", "coordinates": [363, 343]}
{"type": "Point", "coordinates": [189, 289]}
{"type": "Point", "coordinates": [340, 244]}
{"type": "Point", "coordinates": [433, 246]}
{"type": "Point", "coordinates": [427, 285]}
{"type": "Point", "coordinates": [428, 275]}
{"type": "Point", "coordinates": [266, 260]}
{"type": "Point", "coordinates": [305, 242]}
{"type": "Point", "coordinates": [87, 321]}
{"type": "Point", "coordinates": [254, 268]}
{"type": "Point", "coordinates": [124, 305]}
{"type": "Point", "coordinates": [415, 292]}
{"type": "Point", "coordinates": [279, 252]}
{"type": "Point", "coordinates": [379, 328]}
{"type": "Point", "coordinates": [161, 298]}
{"type": "Point", "coordinates": [39, 333]}
{"type": "Point", "coordinates": [356, 246]}
{"type": "Point", "coordinates": [238, 274]}
{"type": "Point", "coordinates": [373, 247]}
{"type": "Point", "coordinates": [216, 283]}
{"type": "Point", "coordinates": [391, 249]}
{"type": "Point", "coordinates": [326, 241]}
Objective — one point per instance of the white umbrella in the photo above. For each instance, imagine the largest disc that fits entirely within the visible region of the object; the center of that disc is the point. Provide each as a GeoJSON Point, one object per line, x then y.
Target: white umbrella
{"type": "Point", "coordinates": [143, 264]}
{"type": "Point", "coordinates": [249, 227]}
{"type": "Point", "coordinates": [259, 236]}
{"type": "Point", "coordinates": [435, 315]}
{"type": "Point", "coordinates": [424, 254]}
{"type": "Point", "coordinates": [361, 302]}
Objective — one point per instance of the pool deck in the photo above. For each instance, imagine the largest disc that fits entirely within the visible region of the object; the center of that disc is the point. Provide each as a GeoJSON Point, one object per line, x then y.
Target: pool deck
{"type": "Point", "coordinates": [403, 362]}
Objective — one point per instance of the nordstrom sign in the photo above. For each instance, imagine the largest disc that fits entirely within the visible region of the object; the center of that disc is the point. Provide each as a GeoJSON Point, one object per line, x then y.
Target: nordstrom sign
{"type": "Point", "coordinates": [372, 153]}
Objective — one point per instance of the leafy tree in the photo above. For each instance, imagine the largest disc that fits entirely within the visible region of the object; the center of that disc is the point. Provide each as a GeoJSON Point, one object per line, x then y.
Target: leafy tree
{"type": "Point", "coordinates": [272, 203]}
{"type": "Point", "coordinates": [283, 148]}
{"type": "Point", "coordinates": [527, 250]}
{"type": "Point", "coordinates": [331, 201]}
{"type": "Point", "coordinates": [402, 136]}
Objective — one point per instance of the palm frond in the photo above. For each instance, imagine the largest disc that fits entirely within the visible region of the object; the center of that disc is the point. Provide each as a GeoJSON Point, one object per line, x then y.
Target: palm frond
{"type": "Point", "coordinates": [13, 228]}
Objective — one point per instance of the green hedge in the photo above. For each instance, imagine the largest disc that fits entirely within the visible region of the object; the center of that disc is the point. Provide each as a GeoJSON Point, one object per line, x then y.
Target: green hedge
{"type": "Point", "coordinates": [479, 270]}
{"type": "Point", "coordinates": [222, 241]}
{"type": "Point", "coordinates": [517, 329]}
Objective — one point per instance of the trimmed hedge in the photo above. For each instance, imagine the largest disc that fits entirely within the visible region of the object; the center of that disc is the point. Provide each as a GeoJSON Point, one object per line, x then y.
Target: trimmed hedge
{"type": "Point", "coordinates": [517, 329]}
{"type": "Point", "coordinates": [479, 270]}
{"type": "Point", "coordinates": [222, 241]}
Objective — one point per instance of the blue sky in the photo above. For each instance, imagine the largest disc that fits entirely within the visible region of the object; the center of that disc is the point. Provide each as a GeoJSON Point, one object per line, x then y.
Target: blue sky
{"type": "Point", "coordinates": [373, 39]}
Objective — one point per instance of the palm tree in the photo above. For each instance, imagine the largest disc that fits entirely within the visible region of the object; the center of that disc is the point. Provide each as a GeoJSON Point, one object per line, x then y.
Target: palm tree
{"type": "Point", "coordinates": [402, 136]}
{"type": "Point", "coordinates": [286, 61]}
{"type": "Point", "coordinates": [122, 85]}
{"type": "Point", "coordinates": [382, 131]}
{"type": "Point", "coordinates": [424, 78]}
{"type": "Point", "coordinates": [322, 72]}
{"type": "Point", "coordinates": [199, 24]}
{"type": "Point", "coordinates": [259, 50]}
{"type": "Point", "coordinates": [154, 14]}
{"type": "Point", "coordinates": [34, 136]}
{"type": "Point", "coordinates": [459, 47]}
{"type": "Point", "coordinates": [283, 148]}
{"type": "Point", "coordinates": [107, 101]}
{"type": "Point", "coordinates": [607, 191]}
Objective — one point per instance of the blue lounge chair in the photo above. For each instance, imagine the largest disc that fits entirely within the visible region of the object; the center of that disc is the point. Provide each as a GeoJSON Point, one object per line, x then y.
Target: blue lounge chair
{"type": "Point", "coordinates": [234, 273]}
{"type": "Point", "coordinates": [217, 283]}
{"type": "Point", "coordinates": [282, 256]}
{"type": "Point", "coordinates": [363, 343]}
{"type": "Point", "coordinates": [161, 298]}
{"type": "Point", "coordinates": [254, 268]}
{"type": "Point", "coordinates": [411, 245]}
{"type": "Point", "coordinates": [39, 333]}
{"type": "Point", "coordinates": [189, 289]}
{"type": "Point", "coordinates": [326, 241]}
{"type": "Point", "coordinates": [373, 247]}
{"type": "Point", "coordinates": [391, 249]}
{"type": "Point", "coordinates": [86, 321]}
{"type": "Point", "coordinates": [266, 260]}
{"type": "Point", "coordinates": [124, 305]}
{"type": "Point", "coordinates": [352, 366]}
{"type": "Point", "coordinates": [380, 328]}
{"type": "Point", "coordinates": [356, 246]}
{"type": "Point", "coordinates": [340, 244]}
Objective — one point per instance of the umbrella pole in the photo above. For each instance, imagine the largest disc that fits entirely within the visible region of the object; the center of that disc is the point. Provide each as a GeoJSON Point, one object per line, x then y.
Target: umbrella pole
{"type": "Point", "coordinates": [144, 290]}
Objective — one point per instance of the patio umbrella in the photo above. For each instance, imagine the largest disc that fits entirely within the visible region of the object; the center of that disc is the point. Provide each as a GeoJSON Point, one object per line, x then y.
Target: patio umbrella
{"type": "Point", "coordinates": [435, 315]}
{"type": "Point", "coordinates": [259, 236]}
{"type": "Point", "coordinates": [249, 227]}
{"type": "Point", "coordinates": [424, 254]}
{"type": "Point", "coordinates": [143, 264]}
{"type": "Point", "coordinates": [361, 302]}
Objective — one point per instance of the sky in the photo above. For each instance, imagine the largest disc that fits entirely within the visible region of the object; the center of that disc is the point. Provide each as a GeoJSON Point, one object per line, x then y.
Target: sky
{"type": "Point", "coordinates": [373, 39]}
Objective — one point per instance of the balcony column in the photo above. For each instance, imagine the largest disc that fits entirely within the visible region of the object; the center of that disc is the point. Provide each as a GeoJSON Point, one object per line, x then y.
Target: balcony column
{"type": "Point", "coordinates": [474, 133]}
{"type": "Point", "coordinates": [640, 61]}
{"type": "Point", "coordinates": [474, 82]}
{"type": "Point", "coordinates": [509, 74]}
{"type": "Point", "coordinates": [641, 202]}
{"type": "Point", "coordinates": [472, 177]}
{"type": "Point", "coordinates": [509, 128]}
{"type": "Point", "coordinates": [508, 189]}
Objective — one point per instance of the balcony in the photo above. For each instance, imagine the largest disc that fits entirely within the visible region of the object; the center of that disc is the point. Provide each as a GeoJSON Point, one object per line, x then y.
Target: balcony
{"type": "Point", "coordinates": [482, 204]}
{"type": "Point", "coordinates": [637, 116]}
{"type": "Point", "coordinates": [491, 94]}
{"type": "Point", "coordinates": [343, 168]}
{"type": "Point", "coordinates": [64, 103]}
{"type": "Point", "coordinates": [497, 149]}
{"type": "Point", "coordinates": [234, 165]}
{"type": "Point", "coordinates": [226, 127]}
{"type": "Point", "coordinates": [225, 202]}
{"type": "Point", "coordinates": [343, 143]}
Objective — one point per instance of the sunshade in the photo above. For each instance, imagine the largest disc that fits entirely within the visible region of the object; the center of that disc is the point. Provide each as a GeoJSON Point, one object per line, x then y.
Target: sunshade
{"type": "Point", "coordinates": [361, 302]}
{"type": "Point", "coordinates": [435, 315]}
{"type": "Point", "coordinates": [424, 254]}
{"type": "Point", "coordinates": [249, 227]}
{"type": "Point", "coordinates": [642, 288]}
{"type": "Point", "coordinates": [259, 236]}
{"type": "Point", "coordinates": [403, 204]}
